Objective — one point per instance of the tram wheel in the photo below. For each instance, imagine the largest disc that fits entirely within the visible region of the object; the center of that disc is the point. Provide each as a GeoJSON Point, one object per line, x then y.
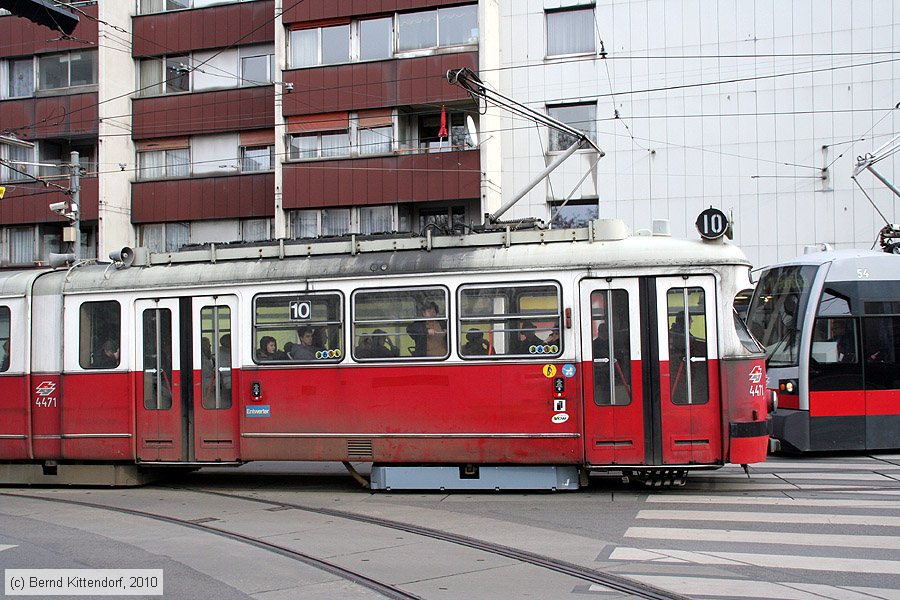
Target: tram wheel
{"type": "Point", "coordinates": [659, 478]}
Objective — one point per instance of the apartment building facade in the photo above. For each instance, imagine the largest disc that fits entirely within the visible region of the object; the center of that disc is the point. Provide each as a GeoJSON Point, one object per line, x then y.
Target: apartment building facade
{"type": "Point", "coordinates": [219, 121]}
{"type": "Point", "coordinates": [229, 121]}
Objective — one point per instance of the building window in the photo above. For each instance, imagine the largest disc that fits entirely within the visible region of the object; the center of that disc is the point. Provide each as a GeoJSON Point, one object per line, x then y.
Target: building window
{"type": "Point", "coordinates": [257, 65]}
{"type": "Point", "coordinates": [59, 152]}
{"type": "Point", "coordinates": [161, 164]}
{"type": "Point", "coordinates": [458, 25]}
{"type": "Point", "coordinates": [255, 230]}
{"type": "Point", "coordinates": [320, 46]}
{"type": "Point", "coordinates": [165, 237]}
{"type": "Point", "coordinates": [21, 246]}
{"type": "Point", "coordinates": [57, 71]}
{"type": "Point", "coordinates": [570, 32]}
{"type": "Point", "coordinates": [14, 155]}
{"type": "Point", "coordinates": [21, 78]}
{"type": "Point", "coordinates": [257, 158]}
{"type": "Point", "coordinates": [153, 6]}
{"type": "Point", "coordinates": [443, 27]}
{"type": "Point", "coordinates": [580, 116]}
{"type": "Point", "coordinates": [327, 144]}
{"type": "Point", "coordinates": [422, 131]}
{"type": "Point", "coordinates": [446, 219]}
{"type": "Point", "coordinates": [574, 213]}
{"type": "Point", "coordinates": [166, 75]}
{"type": "Point", "coordinates": [375, 38]}
{"type": "Point", "coordinates": [376, 219]}
{"type": "Point", "coordinates": [375, 140]}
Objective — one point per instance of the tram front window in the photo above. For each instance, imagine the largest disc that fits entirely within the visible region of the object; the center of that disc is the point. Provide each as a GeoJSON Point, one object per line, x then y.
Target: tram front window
{"type": "Point", "coordinates": [776, 312]}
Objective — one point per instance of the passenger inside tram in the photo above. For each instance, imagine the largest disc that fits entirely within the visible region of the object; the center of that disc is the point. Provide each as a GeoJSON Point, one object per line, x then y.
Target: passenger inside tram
{"type": "Point", "coordinates": [268, 350]}
{"type": "Point", "coordinates": [306, 349]}
{"type": "Point", "coordinates": [108, 356]}
{"type": "Point", "coordinates": [475, 344]}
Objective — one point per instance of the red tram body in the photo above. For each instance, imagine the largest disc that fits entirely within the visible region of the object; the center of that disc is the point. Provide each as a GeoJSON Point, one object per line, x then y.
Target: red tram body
{"type": "Point", "coordinates": [510, 359]}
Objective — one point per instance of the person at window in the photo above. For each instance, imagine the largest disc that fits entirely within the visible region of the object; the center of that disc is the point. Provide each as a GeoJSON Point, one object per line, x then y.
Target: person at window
{"type": "Point", "coordinates": [306, 349]}
{"type": "Point", "coordinates": [207, 368]}
{"type": "Point", "coordinates": [553, 337]}
{"type": "Point", "coordinates": [108, 357]}
{"type": "Point", "coordinates": [842, 336]}
{"type": "Point", "coordinates": [429, 336]}
{"type": "Point", "coordinates": [4, 365]}
{"type": "Point", "coordinates": [475, 344]}
{"type": "Point", "coordinates": [527, 338]}
{"type": "Point", "coordinates": [224, 356]}
{"type": "Point", "coordinates": [268, 350]}
{"type": "Point", "coordinates": [376, 345]}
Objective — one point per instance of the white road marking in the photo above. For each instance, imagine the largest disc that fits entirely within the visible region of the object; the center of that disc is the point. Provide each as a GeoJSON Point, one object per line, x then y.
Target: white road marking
{"type": "Point", "coordinates": [7, 547]}
{"type": "Point", "coordinates": [758, 501]}
{"type": "Point", "coordinates": [884, 542]}
{"type": "Point", "coordinates": [768, 517]}
{"type": "Point", "coordinates": [773, 561]}
{"type": "Point", "coordinates": [740, 588]}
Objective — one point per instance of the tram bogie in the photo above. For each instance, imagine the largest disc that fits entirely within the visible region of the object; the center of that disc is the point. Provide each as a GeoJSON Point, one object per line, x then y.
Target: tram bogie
{"type": "Point", "coordinates": [516, 359]}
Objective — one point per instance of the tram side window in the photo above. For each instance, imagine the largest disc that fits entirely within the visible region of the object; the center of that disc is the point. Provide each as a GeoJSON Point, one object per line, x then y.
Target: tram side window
{"type": "Point", "coordinates": [834, 341]}
{"type": "Point", "coordinates": [881, 350]}
{"type": "Point", "coordinates": [516, 320]}
{"type": "Point", "coordinates": [99, 335]}
{"type": "Point", "coordinates": [408, 323]}
{"type": "Point", "coordinates": [298, 328]}
{"type": "Point", "coordinates": [4, 338]}
{"type": "Point", "coordinates": [611, 337]}
{"type": "Point", "coordinates": [157, 353]}
{"type": "Point", "coordinates": [688, 367]}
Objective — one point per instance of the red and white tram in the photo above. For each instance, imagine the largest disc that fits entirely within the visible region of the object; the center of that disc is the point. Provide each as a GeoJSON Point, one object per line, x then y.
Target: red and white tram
{"type": "Point", "coordinates": [830, 322]}
{"type": "Point", "coordinates": [513, 359]}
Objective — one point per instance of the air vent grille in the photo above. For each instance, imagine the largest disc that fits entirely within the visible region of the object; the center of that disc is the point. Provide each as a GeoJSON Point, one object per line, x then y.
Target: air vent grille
{"type": "Point", "coordinates": [357, 448]}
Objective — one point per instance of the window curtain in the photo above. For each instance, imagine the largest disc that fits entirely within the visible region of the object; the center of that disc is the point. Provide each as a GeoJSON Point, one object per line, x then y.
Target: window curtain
{"type": "Point", "coordinates": [152, 165]}
{"type": "Point", "coordinates": [304, 47]}
{"type": "Point", "coordinates": [178, 162]}
{"type": "Point", "coordinates": [570, 32]}
{"type": "Point", "coordinates": [153, 237]}
{"type": "Point", "coordinates": [376, 140]}
{"type": "Point", "coordinates": [21, 246]}
{"type": "Point", "coordinates": [375, 219]}
{"type": "Point", "coordinates": [335, 221]}
{"type": "Point", "coordinates": [335, 144]}
{"type": "Point", "coordinates": [304, 224]}
{"type": "Point", "coordinates": [177, 235]}
{"type": "Point", "coordinates": [255, 230]}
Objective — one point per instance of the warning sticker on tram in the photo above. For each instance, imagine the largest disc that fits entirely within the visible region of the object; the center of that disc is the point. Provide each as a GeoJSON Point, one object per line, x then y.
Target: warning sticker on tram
{"type": "Point", "coordinates": [549, 371]}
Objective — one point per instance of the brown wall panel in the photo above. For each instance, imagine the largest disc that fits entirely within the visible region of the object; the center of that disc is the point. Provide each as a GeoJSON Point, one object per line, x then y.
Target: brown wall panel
{"type": "Point", "coordinates": [385, 180]}
{"type": "Point", "coordinates": [50, 116]}
{"type": "Point", "coordinates": [226, 197]}
{"type": "Point", "coordinates": [316, 10]}
{"type": "Point", "coordinates": [204, 28]}
{"type": "Point", "coordinates": [204, 112]}
{"type": "Point", "coordinates": [26, 203]}
{"type": "Point", "coordinates": [375, 85]}
{"type": "Point", "coordinates": [21, 37]}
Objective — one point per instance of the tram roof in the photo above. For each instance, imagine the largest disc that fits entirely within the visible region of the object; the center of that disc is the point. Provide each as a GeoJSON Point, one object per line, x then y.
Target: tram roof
{"type": "Point", "coordinates": [485, 252]}
{"type": "Point", "coordinates": [844, 264]}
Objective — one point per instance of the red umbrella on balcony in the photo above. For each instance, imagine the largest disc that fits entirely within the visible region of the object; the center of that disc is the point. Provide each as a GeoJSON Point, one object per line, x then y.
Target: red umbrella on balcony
{"type": "Point", "coordinates": [442, 133]}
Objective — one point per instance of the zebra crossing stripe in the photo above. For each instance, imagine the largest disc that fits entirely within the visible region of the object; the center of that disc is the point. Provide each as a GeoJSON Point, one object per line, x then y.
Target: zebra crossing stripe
{"type": "Point", "coordinates": [6, 547]}
{"type": "Point", "coordinates": [742, 588]}
{"type": "Point", "coordinates": [767, 517]}
{"type": "Point", "coordinates": [775, 501]}
{"type": "Point", "coordinates": [772, 561]}
{"type": "Point", "coordinates": [884, 542]}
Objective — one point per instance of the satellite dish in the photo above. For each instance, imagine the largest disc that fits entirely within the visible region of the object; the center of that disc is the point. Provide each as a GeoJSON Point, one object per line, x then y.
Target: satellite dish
{"type": "Point", "coordinates": [471, 131]}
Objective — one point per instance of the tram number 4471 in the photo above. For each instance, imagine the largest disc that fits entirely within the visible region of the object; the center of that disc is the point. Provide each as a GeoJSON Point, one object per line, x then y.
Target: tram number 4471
{"type": "Point", "coordinates": [45, 402]}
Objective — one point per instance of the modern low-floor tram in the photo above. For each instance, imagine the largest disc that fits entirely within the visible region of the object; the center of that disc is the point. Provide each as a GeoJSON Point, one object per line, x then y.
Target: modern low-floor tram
{"type": "Point", "coordinates": [830, 322]}
{"type": "Point", "coordinates": [497, 360]}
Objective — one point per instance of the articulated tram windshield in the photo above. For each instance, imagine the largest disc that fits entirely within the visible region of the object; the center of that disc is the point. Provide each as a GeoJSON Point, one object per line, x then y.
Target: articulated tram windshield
{"type": "Point", "coordinates": [777, 312]}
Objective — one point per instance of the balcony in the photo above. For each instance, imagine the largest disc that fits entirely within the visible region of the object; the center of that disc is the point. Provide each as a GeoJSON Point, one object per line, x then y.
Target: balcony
{"type": "Point", "coordinates": [27, 203]}
{"type": "Point", "coordinates": [383, 180]}
{"type": "Point", "coordinates": [217, 197]}
{"type": "Point", "coordinates": [355, 86]}
{"type": "Point", "coordinates": [65, 115]}
{"type": "Point", "coordinates": [214, 111]}
{"type": "Point", "coordinates": [21, 37]}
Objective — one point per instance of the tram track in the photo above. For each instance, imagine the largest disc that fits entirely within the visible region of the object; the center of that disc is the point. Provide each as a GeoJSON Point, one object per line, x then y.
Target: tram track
{"type": "Point", "coordinates": [385, 589]}
{"type": "Point", "coordinates": [614, 582]}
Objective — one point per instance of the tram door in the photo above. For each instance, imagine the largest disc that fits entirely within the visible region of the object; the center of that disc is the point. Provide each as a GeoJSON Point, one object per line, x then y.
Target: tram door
{"type": "Point", "coordinates": [650, 374]}
{"type": "Point", "coordinates": [611, 373]}
{"type": "Point", "coordinates": [216, 409]}
{"type": "Point", "coordinates": [157, 381]}
{"type": "Point", "coordinates": [689, 404]}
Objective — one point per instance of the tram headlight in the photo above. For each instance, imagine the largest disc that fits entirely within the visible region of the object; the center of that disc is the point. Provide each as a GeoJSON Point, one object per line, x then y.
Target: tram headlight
{"type": "Point", "coordinates": [788, 386]}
